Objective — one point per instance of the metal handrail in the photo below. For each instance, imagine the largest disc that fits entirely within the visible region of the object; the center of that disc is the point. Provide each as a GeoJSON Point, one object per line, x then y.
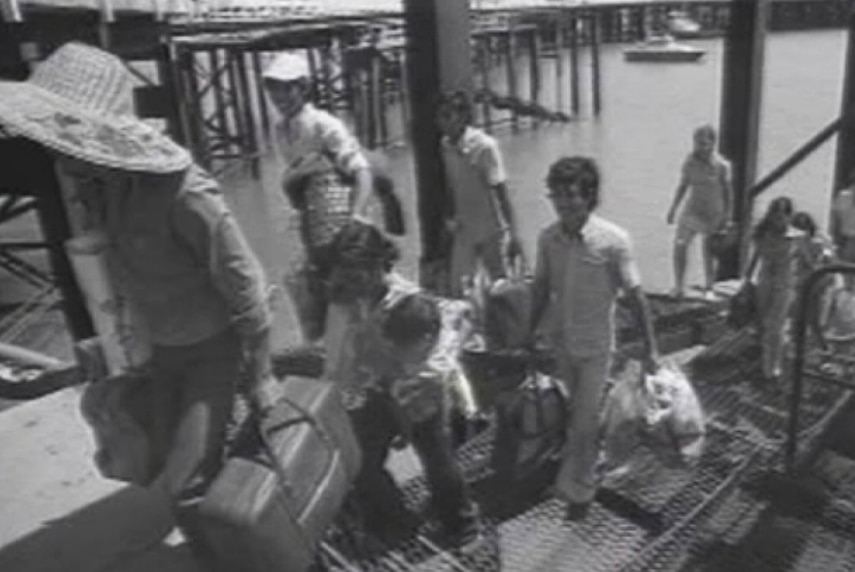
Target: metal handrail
{"type": "Point", "coordinates": [806, 293]}
{"type": "Point", "coordinates": [798, 156]}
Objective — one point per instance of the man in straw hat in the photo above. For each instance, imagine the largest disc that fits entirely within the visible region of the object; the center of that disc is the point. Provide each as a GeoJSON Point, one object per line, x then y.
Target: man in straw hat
{"type": "Point", "coordinates": [176, 245]}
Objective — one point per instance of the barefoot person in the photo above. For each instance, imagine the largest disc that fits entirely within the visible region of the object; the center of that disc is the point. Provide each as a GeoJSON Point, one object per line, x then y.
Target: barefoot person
{"type": "Point", "coordinates": [705, 177]}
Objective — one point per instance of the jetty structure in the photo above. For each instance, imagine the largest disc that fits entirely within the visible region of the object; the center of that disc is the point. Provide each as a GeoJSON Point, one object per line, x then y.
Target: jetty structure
{"type": "Point", "coordinates": [774, 487]}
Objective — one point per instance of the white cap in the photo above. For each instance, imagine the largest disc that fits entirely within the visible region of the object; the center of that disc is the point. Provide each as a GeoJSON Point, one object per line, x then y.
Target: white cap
{"type": "Point", "coordinates": [287, 66]}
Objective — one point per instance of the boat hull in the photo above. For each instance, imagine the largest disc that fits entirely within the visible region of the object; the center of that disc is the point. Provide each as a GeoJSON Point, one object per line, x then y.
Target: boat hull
{"type": "Point", "coordinates": [663, 56]}
{"type": "Point", "coordinates": [693, 34]}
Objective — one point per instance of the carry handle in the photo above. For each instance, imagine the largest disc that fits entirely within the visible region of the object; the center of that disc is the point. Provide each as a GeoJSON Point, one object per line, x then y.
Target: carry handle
{"type": "Point", "coordinates": [304, 417]}
{"type": "Point", "coordinates": [540, 409]}
{"type": "Point", "coordinates": [515, 265]}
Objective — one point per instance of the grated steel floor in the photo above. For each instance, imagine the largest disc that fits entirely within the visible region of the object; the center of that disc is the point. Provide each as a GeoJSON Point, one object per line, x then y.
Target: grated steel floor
{"type": "Point", "coordinates": [707, 518]}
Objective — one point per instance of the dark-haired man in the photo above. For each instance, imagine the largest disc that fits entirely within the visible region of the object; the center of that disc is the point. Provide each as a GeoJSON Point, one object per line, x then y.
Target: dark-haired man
{"type": "Point", "coordinates": [583, 261]}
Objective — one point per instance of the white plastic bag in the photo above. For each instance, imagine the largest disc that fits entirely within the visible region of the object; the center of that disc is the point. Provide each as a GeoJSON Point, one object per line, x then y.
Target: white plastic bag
{"type": "Point", "coordinates": [674, 419]}
{"type": "Point", "coordinates": [661, 411]}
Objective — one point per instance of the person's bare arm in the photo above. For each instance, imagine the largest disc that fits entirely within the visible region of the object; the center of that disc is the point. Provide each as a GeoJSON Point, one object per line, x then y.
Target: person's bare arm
{"type": "Point", "coordinates": [678, 198]}
{"type": "Point", "coordinates": [643, 317]}
{"type": "Point", "coordinates": [362, 188]}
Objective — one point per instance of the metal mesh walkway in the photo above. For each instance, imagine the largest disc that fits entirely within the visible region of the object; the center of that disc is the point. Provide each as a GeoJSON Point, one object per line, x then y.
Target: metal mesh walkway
{"type": "Point", "coordinates": [658, 518]}
{"type": "Point", "coordinates": [655, 518]}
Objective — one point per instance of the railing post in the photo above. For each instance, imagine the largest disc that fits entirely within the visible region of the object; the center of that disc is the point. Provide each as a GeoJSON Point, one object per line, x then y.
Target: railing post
{"type": "Point", "coordinates": [742, 80]}
{"type": "Point", "coordinates": [438, 59]}
{"type": "Point", "coordinates": [845, 160]}
{"type": "Point", "coordinates": [805, 293]}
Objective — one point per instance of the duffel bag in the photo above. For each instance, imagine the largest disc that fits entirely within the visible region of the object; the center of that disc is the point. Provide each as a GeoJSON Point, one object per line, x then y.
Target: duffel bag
{"type": "Point", "coordinates": [531, 427]}
{"type": "Point", "coordinates": [271, 504]}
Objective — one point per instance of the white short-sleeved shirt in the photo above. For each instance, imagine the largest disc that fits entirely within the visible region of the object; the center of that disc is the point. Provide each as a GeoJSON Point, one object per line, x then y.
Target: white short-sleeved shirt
{"type": "Point", "coordinates": [312, 139]}
{"type": "Point", "coordinates": [583, 275]}
{"type": "Point", "coordinates": [474, 165]}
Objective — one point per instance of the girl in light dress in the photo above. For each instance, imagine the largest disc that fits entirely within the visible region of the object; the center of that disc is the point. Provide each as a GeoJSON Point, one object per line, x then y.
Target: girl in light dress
{"type": "Point", "coordinates": [779, 250]}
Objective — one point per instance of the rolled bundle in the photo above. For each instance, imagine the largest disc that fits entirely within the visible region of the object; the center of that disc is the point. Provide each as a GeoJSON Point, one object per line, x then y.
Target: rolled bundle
{"type": "Point", "coordinates": [121, 334]}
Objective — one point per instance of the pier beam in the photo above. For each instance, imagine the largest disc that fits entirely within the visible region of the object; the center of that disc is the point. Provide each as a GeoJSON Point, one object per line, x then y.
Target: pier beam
{"type": "Point", "coordinates": [742, 84]}
{"type": "Point", "coordinates": [28, 169]}
{"type": "Point", "coordinates": [845, 160]}
{"type": "Point", "coordinates": [438, 59]}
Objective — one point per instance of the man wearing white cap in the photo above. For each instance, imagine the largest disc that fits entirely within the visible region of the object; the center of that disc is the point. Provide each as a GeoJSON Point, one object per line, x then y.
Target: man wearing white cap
{"type": "Point", "coordinates": [327, 177]}
{"type": "Point", "coordinates": [176, 247]}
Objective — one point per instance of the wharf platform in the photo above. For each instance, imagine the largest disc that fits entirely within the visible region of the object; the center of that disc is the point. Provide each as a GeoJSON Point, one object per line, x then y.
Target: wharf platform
{"type": "Point", "coordinates": [58, 514]}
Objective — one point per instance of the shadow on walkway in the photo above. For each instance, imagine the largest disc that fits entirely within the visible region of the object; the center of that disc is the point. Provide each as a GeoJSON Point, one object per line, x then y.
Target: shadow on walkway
{"type": "Point", "coordinates": [121, 532]}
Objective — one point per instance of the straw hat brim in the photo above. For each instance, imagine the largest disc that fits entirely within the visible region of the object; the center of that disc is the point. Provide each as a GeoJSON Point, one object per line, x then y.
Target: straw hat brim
{"type": "Point", "coordinates": [119, 142]}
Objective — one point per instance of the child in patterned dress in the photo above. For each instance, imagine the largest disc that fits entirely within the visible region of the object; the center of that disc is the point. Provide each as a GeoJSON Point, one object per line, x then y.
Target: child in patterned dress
{"type": "Point", "coordinates": [778, 250]}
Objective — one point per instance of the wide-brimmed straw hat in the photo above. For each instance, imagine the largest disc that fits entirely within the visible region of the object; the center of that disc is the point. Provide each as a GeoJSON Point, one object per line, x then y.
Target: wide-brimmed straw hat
{"type": "Point", "coordinates": [79, 102]}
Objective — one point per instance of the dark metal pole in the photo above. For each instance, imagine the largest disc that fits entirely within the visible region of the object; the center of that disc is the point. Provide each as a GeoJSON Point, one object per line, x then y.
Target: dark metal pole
{"type": "Point", "coordinates": [28, 168]}
{"type": "Point", "coordinates": [534, 68]}
{"type": "Point", "coordinates": [806, 292]}
{"type": "Point", "coordinates": [845, 161]}
{"type": "Point", "coordinates": [560, 28]}
{"type": "Point", "coordinates": [511, 72]}
{"type": "Point", "coordinates": [438, 59]}
{"type": "Point", "coordinates": [742, 81]}
{"type": "Point", "coordinates": [574, 62]}
{"type": "Point", "coordinates": [595, 61]}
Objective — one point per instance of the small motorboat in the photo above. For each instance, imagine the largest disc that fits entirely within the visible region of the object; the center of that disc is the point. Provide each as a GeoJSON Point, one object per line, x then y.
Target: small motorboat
{"type": "Point", "coordinates": [663, 48]}
{"type": "Point", "coordinates": [681, 25]}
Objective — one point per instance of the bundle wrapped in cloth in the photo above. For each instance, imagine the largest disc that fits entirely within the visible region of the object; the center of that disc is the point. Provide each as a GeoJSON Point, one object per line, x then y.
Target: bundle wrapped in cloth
{"type": "Point", "coordinates": [118, 411]}
{"type": "Point", "coordinates": [502, 306]}
{"type": "Point", "coordinates": [661, 411]}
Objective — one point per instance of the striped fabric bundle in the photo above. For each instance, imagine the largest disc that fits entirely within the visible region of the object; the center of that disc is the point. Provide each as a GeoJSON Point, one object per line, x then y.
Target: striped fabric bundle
{"type": "Point", "coordinates": [329, 205]}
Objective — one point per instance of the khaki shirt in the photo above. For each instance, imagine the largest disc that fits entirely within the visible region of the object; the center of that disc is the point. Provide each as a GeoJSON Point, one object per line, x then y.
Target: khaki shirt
{"type": "Point", "coordinates": [183, 258]}
{"type": "Point", "coordinates": [582, 275]}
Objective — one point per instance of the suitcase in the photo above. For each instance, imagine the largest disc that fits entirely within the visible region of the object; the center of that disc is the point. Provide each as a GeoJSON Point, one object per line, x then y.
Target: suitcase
{"type": "Point", "coordinates": [507, 314]}
{"type": "Point", "coordinates": [531, 426]}
{"type": "Point", "coordinates": [275, 497]}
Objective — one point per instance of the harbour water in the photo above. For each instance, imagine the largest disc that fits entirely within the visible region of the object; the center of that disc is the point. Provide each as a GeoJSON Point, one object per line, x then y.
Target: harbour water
{"type": "Point", "coordinates": [644, 131]}
{"type": "Point", "coordinates": [640, 139]}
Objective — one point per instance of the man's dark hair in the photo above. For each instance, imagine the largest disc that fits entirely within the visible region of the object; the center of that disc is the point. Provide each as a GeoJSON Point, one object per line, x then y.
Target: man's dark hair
{"type": "Point", "coordinates": [581, 171]}
{"type": "Point", "coordinates": [412, 319]}
{"type": "Point", "coordinates": [459, 102]}
{"type": "Point", "coordinates": [359, 244]}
